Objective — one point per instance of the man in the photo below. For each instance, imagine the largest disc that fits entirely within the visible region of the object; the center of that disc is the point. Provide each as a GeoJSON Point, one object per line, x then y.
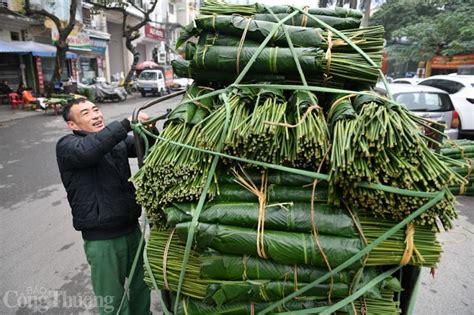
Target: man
{"type": "Point", "coordinates": [93, 162]}
{"type": "Point", "coordinates": [5, 88]}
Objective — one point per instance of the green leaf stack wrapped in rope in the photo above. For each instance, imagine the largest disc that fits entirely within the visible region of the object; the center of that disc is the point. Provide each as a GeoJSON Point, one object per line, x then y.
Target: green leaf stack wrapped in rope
{"type": "Point", "coordinates": [462, 151]}
{"type": "Point", "coordinates": [260, 129]}
{"type": "Point", "coordinates": [219, 280]}
{"type": "Point", "coordinates": [379, 142]}
{"type": "Point", "coordinates": [262, 235]}
{"type": "Point", "coordinates": [224, 30]}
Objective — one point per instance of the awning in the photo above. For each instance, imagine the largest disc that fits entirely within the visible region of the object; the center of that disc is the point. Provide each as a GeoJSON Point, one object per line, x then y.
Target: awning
{"type": "Point", "coordinates": [27, 47]}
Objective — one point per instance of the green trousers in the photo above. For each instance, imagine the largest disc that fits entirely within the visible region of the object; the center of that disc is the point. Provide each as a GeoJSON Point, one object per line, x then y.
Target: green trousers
{"type": "Point", "coordinates": [111, 261]}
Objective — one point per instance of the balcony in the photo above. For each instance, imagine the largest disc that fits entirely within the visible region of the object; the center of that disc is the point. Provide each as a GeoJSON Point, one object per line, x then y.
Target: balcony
{"type": "Point", "coordinates": [94, 24]}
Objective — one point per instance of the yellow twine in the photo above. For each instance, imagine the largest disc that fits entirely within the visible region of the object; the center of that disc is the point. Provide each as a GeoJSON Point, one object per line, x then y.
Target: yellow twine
{"type": "Point", "coordinates": [410, 246]}
{"type": "Point", "coordinates": [241, 44]}
{"type": "Point", "coordinates": [304, 19]}
{"type": "Point", "coordinates": [165, 259]}
{"type": "Point", "coordinates": [286, 125]}
{"type": "Point", "coordinates": [328, 57]}
{"type": "Point", "coordinates": [261, 195]}
{"type": "Point", "coordinates": [295, 278]}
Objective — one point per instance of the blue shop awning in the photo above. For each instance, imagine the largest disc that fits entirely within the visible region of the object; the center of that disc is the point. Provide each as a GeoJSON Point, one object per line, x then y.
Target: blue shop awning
{"type": "Point", "coordinates": [36, 49]}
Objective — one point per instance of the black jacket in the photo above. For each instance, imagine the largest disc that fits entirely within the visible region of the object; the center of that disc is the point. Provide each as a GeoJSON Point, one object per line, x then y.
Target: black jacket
{"type": "Point", "coordinates": [95, 171]}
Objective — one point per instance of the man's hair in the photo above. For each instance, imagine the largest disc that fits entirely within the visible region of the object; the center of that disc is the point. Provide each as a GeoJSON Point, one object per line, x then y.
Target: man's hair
{"type": "Point", "coordinates": [67, 108]}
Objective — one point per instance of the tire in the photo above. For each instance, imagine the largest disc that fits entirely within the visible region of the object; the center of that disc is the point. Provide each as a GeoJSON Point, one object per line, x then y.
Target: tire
{"type": "Point", "coordinates": [143, 94]}
{"type": "Point", "coordinates": [160, 93]}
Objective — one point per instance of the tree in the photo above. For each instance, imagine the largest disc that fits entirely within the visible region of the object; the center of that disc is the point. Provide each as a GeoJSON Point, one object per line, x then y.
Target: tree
{"type": "Point", "coordinates": [129, 32]}
{"type": "Point", "coordinates": [61, 44]}
{"type": "Point", "coordinates": [419, 31]}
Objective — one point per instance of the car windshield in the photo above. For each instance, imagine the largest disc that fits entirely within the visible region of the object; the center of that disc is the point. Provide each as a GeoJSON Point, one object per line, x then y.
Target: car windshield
{"type": "Point", "coordinates": [148, 76]}
{"type": "Point", "coordinates": [426, 102]}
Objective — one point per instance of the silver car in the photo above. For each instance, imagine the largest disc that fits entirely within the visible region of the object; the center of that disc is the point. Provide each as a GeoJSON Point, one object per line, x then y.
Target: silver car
{"type": "Point", "coordinates": [427, 102]}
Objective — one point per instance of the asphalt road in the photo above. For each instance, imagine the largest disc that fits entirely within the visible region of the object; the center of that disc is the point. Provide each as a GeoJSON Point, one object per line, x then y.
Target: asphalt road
{"type": "Point", "coordinates": [43, 266]}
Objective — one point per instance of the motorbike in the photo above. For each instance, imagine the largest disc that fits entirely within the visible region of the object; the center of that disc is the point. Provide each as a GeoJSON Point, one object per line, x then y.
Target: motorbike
{"type": "Point", "coordinates": [105, 92]}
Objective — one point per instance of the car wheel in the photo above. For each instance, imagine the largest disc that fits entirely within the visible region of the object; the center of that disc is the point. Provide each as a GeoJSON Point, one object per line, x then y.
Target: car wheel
{"type": "Point", "coordinates": [143, 94]}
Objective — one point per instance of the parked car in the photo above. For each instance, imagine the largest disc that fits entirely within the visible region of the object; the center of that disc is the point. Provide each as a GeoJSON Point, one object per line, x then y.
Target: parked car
{"type": "Point", "coordinates": [427, 102]}
{"type": "Point", "coordinates": [151, 81]}
{"type": "Point", "coordinates": [413, 81]}
{"type": "Point", "coordinates": [181, 83]}
{"type": "Point", "coordinates": [461, 91]}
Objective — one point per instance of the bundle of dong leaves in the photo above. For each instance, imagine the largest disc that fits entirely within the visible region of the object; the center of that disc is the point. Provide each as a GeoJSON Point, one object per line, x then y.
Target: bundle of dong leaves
{"type": "Point", "coordinates": [226, 42]}
{"type": "Point", "coordinates": [463, 151]}
{"type": "Point", "coordinates": [264, 233]}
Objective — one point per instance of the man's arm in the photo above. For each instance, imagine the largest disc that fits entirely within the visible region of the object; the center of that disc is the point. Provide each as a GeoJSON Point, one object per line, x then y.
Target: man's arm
{"type": "Point", "coordinates": [88, 150]}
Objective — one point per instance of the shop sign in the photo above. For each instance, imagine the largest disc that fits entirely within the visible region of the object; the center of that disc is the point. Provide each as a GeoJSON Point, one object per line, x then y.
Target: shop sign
{"type": "Point", "coordinates": [98, 46]}
{"type": "Point", "coordinates": [73, 68]}
{"type": "Point", "coordinates": [78, 40]}
{"type": "Point", "coordinates": [154, 32]}
{"type": "Point", "coordinates": [39, 70]}
{"type": "Point", "coordinates": [442, 62]}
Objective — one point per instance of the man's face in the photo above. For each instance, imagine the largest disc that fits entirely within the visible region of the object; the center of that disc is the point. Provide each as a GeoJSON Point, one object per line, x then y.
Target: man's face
{"type": "Point", "coordinates": [86, 116]}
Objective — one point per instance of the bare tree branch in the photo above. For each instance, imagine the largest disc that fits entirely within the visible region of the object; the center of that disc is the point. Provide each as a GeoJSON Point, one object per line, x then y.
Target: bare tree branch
{"type": "Point", "coordinates": [61, 43]}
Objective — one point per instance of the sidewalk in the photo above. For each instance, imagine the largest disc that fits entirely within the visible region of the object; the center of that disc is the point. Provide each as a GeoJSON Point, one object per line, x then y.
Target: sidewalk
{"type": "Point", "coordinates": [8, 114]}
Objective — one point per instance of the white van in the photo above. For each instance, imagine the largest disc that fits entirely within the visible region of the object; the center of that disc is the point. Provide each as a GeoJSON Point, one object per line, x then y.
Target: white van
{"type": "Point", "coordinates": [151, 81]}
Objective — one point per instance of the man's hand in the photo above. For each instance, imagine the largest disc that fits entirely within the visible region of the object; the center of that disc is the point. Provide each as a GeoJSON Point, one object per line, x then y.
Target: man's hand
{"type": "Point", "coordinates": [142, 116]}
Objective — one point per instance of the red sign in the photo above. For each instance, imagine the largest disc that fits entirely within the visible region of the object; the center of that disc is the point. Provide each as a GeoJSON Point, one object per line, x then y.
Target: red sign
{"type": "Point", "coordinates": [154, 32]}
{"type": "Point", "coordinates": [39, 70]}
{"type": "Point", "coordinates": [441, 62]}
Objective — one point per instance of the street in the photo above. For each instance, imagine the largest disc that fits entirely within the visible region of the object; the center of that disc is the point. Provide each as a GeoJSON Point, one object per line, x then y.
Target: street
{"type": "Point", "coordinates": [43, 265]}
{"type": "Point", "coordinates": [43, 261]}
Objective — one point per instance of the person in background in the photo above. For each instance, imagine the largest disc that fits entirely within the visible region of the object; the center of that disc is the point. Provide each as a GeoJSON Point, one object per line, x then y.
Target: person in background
{"type": "Point", "coordinates": [21, 88]}
{"type": "Point", "coordinates": [94, 168]}
{"type": "Point", "coordinates": [4, 88]}
{"type": "Point", "coordinates": [28, 97]}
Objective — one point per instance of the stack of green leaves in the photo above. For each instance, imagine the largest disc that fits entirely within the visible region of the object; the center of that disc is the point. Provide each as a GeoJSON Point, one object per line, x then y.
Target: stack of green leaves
{"type": "Point", "coordinates": [227, 41]}
{"type": "Point", "coordinates": [382, 144]}
{"type": "Point", "coordinates": [219, 280]}
{"type": "Point", "coordinates": [260, 129]}
{"type": "Point", "coordinates": [462, 151]}
{"type": "Point", "coordinates": [224, 30]}
{"type": "Point", "coordinates": [315, 62]}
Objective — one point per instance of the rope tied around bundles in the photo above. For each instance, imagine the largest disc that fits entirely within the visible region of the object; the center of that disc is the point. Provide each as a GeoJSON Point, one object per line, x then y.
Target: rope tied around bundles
{"type": "Point", "coordinates": [261, 194]}
{"type": "Point", "coordinates": [241, 45]}
{"type": "Point", "coordinates": [462, 186]}
{"type": "Point", "coordinates": [328, 57]}
{"type": "Point", "coordinates": [165, 259]}
{"type": "Point", "coordinates": [245, 259]}
{"type": "Point", "coordinates": [314, 227]}
{"type": "Point", "coordinates": [287, 125]}
{"type": "Point", "coordinates": [185, 306]}
{"type": "Point", "coordinates": [410, 245]}
{"type": "Point", "coordinates": [295, 277]}
{"type": "Point", "coordinates": [304, 19]}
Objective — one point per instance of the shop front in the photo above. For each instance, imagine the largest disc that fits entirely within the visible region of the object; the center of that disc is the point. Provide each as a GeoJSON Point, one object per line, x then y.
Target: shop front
{"type": "Point", "coordinates": [446, 65]}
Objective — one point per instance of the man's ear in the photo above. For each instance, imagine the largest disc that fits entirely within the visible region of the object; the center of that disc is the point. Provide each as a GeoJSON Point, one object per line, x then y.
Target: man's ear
{"type": "Point", "coordinates": [72, 125]}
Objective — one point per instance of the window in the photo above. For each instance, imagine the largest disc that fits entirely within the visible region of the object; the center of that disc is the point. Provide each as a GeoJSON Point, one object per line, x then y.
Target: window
{"type": "Point", "coordinates": [170, 8]}
{"type": "Point", "coordinates": [15, 35]}
{"type": "Point", "coordinates": [148, 76]}
{"type": "Point", "coordinates": [446, 85]}
{"type": "Point", "coordinates": [425, 102]}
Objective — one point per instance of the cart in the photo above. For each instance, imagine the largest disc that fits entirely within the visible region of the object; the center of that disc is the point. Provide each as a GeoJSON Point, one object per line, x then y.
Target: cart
{"type": "Point", "coordinates": [409, 276]}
